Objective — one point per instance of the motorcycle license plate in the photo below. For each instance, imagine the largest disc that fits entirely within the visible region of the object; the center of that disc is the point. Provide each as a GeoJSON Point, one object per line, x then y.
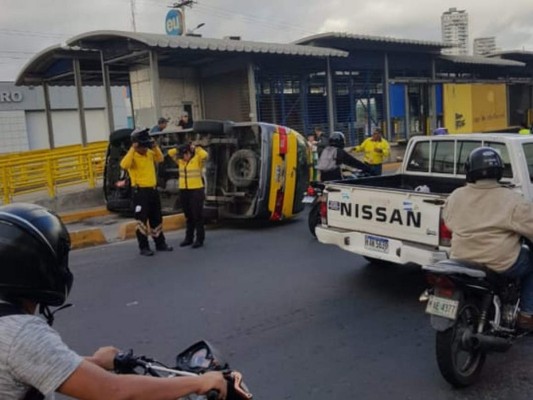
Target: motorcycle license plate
{"type": "Point", "coordinates": [375, 243]}
{"type": "Point", "coordinates": [308, 199]}
{"type": "Point", "coordinates": [441, 307]}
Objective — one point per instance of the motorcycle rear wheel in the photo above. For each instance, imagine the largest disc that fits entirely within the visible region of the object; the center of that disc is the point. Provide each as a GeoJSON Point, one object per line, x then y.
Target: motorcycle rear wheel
{"type": "Point", "coordinates": [313, 219]}
{"type": "Point", "coordinates": [458, 365]}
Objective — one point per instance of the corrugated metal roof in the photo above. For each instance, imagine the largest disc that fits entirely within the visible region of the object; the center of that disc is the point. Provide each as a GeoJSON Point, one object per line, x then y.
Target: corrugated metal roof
{"type": "Point", "coordinates": [516, 55]}
{"type": "Point", "coordinates": [479, 60]}
{"type": "Point", "coordinates": [209, 44]}
{"type": "Point", "coordinates": [368, 38]}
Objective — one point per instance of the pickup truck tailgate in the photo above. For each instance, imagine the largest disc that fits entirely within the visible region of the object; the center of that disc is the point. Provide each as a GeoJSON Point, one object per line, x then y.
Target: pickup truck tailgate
{"type": "Point", "coordinates": [404, 215]}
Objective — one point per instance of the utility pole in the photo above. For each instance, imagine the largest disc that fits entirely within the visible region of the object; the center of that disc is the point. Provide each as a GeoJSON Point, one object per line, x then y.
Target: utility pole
{"type": "Point", "coordinates": [134, 26]}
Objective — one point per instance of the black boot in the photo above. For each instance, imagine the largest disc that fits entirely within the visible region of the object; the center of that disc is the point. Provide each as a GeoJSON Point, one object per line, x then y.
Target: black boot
{"type": "Point", "coordinates": [186, 242]}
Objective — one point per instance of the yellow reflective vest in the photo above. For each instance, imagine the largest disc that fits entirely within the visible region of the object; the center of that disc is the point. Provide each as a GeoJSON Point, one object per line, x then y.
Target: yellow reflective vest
{"type": "Point", "coordinates": [369, 148]}
{"type": "Point", "coordinates": [141, 168]}
{"type": "Point", "coordinates": [190, 171]}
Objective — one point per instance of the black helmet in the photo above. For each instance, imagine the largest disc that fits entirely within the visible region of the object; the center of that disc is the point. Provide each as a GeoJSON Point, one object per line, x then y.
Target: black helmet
{"type": "Point", "coordinates": [142, 136]}
{"type": "Point", "coordinates": [336, 139]}
{"type": "Point", "coordinates": [34, 247]}
{"type": "Point", "coordinates": [483, 163]}
{"type": "Point", "coordinates": [184, 148]}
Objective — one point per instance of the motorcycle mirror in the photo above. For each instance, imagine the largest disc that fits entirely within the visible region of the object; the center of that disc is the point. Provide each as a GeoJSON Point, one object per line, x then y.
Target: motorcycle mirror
{"type": "Point", "coordinates": [201, 357]}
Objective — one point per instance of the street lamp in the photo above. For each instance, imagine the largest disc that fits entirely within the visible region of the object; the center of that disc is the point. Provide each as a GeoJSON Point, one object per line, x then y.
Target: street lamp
{"type": "Point", "coordinates": [197, 27]}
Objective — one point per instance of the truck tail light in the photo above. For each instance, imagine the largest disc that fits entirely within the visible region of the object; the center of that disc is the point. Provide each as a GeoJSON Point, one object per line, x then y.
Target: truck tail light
{"type": "Point", "coordinates": [282, 141]}
{"type": "Point", "coordinates": [278, 208]}
{"type": "Point", "coordinates": [445, 235]}
{"type": "Point", "coordinates": [324, 211]}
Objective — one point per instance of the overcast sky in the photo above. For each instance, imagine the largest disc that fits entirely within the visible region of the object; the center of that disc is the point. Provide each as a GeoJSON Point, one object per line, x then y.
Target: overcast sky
{"type": "Point", "coordinates": [29, 26]}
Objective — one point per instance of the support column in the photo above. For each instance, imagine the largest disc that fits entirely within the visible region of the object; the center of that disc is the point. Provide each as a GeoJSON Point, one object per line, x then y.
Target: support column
{"type": "Point", "coordinates": [407, 113]}
{"type": "Point", "coordinates": [48, 113]}
{"type": "Point", "coordinates": [304, 104]}
{"type": "Point", "coordinates": [330, 95]}
{"type": "Point", "coordinates": [81, 106]}
{"type": "Point", "coordinates": [107, 92]}
{"type": "Point", "coordinates": [154, 78]}
{"type": "Point", "coordinates": [252, 92]}
{"type": "Point", "coordinates": [433, 98]}
{"type": "Point", "coordinates": [386, 97]}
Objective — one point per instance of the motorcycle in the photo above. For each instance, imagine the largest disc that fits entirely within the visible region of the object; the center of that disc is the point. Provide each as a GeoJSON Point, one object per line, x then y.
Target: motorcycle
{"type": "Point", "coordinates": [474, 311]}
{"type": "Point", "coordinates": [314, 196]}
{"type": "Point", "coordinates": [198, 359]}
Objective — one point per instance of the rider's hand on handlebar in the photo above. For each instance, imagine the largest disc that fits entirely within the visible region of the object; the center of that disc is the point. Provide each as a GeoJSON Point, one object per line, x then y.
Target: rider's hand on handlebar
{"type": "Point", "coordinates": [104, 357]}
{"type": "Point", "coordinates": [213, 380]}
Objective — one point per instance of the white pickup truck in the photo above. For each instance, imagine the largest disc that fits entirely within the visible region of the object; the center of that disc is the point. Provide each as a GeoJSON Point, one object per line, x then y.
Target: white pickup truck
{"type": "Point", "coordinates": [397, 218]}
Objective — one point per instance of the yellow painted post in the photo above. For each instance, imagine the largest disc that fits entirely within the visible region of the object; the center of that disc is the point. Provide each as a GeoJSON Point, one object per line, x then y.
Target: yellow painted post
{"type": "Point", "coordinates": [5, 185]}
{"type": "Point", "coordinates": [50, 179]}
{"type": "Point", "coordinates": [90, 166]}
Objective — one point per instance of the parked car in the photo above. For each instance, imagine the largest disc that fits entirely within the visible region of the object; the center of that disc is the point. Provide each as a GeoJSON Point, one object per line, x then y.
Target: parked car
{"type": "Point", "coordinates": [255, 170]}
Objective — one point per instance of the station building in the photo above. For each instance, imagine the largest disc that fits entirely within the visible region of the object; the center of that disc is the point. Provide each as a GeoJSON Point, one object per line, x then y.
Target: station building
{"type": "Point", "coordinates": [23, 124]}
{"type": "Point", "coordinates": [338, 81]}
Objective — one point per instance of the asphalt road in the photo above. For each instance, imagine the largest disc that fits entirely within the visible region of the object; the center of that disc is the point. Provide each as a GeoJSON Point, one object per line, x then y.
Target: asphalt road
{"type": "Point", "coordinates": [300, 319]}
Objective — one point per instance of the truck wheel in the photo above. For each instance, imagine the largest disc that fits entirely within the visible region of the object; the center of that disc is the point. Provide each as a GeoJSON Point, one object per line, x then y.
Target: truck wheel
{"type": "Point", "coordinates": [242, 168]}
{"type": "Point", "coordinates": [313, 219]}
{"type": "Point", "coordinates": [459, 365]}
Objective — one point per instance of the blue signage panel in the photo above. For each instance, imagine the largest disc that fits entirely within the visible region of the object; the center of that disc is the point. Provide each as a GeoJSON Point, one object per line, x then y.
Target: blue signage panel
{"type": "Point", "coordinates": [174, 22]}
{"type": "Point", "coordinates": [397, 100]}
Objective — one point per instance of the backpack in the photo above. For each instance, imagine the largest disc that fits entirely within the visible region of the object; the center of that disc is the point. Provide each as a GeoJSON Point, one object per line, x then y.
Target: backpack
{"type": "Point", "coordinates": [328, 159]}
{"type": "Point", "coordinates": [10, 309]}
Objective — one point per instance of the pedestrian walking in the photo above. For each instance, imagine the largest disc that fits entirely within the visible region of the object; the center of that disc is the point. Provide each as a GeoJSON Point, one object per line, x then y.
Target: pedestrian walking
{"type": "Point", "coordinates": [190, 160]}
{"type": "Point", "coordinates": [313, 154]}
{"type": "Point", "coordinates": [376, 149]}
{"type": "Point", "coordinates": [140, 162]}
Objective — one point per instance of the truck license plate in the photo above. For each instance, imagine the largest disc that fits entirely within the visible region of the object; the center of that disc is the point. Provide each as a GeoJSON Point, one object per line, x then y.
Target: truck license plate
{"type": "Point", "coordinates": [308, 199]}
{"type": "Point", "coordinates": [376, 244]}
{"type": "Point", "coordinates": [441, 307]}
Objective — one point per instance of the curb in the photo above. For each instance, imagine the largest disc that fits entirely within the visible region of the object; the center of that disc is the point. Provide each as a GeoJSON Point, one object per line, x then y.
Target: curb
{"type": "Point", "coordinates": [170, 223]}
{"type": "Point", "coordinates": [87, 238]}
{"type": "Point", "coordinates": [77, 216]}
{"type": "Point", "coordinates": [95, 236]}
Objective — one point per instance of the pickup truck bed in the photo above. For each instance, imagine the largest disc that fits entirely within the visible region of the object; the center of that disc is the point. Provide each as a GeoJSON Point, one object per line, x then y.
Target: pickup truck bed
{"type": "Point", "coordinates": [440, 185]}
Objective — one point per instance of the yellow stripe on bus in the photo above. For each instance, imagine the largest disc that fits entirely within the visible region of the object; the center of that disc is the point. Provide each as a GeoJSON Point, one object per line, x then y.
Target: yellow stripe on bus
{"type": "Point", "coordinates": [291, 159]}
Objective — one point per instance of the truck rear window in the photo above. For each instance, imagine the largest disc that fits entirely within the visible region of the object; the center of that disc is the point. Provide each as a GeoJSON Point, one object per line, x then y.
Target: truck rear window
{"type": "Point", "coordinates": [528, 152]}
{"type": "Point", "coordinates": [449, 156]}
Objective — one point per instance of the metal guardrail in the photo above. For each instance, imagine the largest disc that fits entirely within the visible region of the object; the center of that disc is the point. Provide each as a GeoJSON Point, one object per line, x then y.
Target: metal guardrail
{"type": "Point", "coordinates": [38, 170]}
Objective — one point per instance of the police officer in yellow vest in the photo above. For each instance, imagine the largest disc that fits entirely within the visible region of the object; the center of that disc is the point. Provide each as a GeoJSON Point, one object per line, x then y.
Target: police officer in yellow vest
{"type": "Point", "coordinates": [524, 130]}
{"type": "Point", "coordinates": [190, 160]}
{"type": "Point", "coordinates": [140, 162]}
{"type": "Point", "coordinates": [376, 149]}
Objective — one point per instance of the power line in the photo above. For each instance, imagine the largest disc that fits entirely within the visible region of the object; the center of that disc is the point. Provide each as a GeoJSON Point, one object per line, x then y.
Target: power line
{"type": "Point", "coordinates": [33, 33]}
{"type": "Point", "coordinates": [17, 52]}
{"type": "Point", "coordinates": [255, 19]}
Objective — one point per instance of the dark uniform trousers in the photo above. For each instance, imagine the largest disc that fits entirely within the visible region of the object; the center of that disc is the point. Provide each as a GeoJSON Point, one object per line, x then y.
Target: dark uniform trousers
{"type": "Point", "coordinates": [192, 201]}
{"type": "Point", "coordinates": [148, 210]}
